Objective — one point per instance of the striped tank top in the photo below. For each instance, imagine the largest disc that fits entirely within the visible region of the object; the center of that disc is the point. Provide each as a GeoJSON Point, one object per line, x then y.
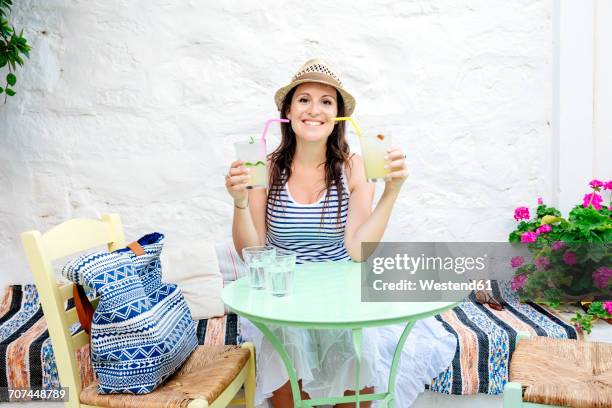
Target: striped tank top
{"type": "Point", "coordinates": [298, 227]}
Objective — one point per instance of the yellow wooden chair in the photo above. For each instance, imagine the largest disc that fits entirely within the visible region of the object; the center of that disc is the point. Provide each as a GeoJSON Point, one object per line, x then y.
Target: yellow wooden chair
{"type": "Point", "coordinates": [211, 377]}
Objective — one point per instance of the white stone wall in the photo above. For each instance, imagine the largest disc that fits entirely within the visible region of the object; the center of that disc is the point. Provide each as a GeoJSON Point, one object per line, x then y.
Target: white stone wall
{"type": "Point", "coordinates": [131, 107]}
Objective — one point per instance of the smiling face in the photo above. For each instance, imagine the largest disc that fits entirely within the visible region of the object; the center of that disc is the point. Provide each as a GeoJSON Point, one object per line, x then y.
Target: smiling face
{"type": "Point", "coordinates": [313, 105]}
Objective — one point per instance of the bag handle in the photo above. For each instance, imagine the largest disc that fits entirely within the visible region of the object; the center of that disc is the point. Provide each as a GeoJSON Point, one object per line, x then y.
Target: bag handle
{"type": "Point", "coordinates": [82, 304]}
{"type": "Point", "coordinates": [83, 307]}
{"type": "Point", "coordinates": [136, 248]}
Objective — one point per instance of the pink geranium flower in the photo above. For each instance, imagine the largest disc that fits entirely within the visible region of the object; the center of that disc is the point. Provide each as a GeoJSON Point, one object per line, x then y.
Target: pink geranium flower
{"type": "Point", "coordinates": [558, 245]}
{"type": "Point", "coordinates": [542, 229]}
{"type": "Point", "coordinates": [608, 185]}
{"type": "Point", "coordinates": [529, 237]}
{"type": "Point", "coordinates": [608, 307]}
{"type": "Point", "coordinates": [540, 201]}
{"type": "Point", "coordinates": [517, 261]}
{"type": "Point", "coordinates": [601, 277]}
{"type": "Point", "coordinates": [518, 282]}
{"type": "Point", "coordinates": [542, 263]}
{"type": "Point", "coordinates": [596, 183]}
{"type": "Point", "coordinates": [521, 213]}
{"type": "Point", "coordinates": [593, 199]}
{"type": "Point", "coordinates": [569, 258]}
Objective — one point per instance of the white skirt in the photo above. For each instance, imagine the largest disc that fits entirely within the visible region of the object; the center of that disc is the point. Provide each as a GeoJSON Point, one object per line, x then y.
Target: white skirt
{"type": "Point", "coordinates": [325, 359]}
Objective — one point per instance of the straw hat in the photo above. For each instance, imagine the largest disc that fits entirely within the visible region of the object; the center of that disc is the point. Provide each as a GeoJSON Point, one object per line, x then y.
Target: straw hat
{"type": "Point", "coordinates": [317, 70]}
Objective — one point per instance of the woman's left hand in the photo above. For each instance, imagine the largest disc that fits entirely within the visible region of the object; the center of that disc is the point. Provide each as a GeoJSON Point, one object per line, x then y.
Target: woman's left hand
{"type": "Point", "coordinates": [398, 167]}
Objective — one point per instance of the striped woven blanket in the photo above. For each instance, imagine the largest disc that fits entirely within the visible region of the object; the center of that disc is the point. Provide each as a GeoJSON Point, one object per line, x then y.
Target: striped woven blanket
{"type": "Point", "coordinates": [486, 340]}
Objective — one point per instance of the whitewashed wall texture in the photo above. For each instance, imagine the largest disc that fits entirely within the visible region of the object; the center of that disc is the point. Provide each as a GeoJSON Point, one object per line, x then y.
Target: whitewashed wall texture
{"type": "Point", "coordinates": [131, 107]}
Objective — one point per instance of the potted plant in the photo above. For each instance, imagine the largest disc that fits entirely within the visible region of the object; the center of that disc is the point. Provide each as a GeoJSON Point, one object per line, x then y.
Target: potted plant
{"type": "Point", "coordinates": [571, 258]}
{"type": "Point", "coordinates": [13, 47]}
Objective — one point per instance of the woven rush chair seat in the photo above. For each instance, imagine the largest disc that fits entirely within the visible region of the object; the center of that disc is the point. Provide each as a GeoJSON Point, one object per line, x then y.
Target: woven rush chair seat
{"type": "Point", "coordinates": [207, 372]}
{"type": "Point", "coordinates": [563, 372]}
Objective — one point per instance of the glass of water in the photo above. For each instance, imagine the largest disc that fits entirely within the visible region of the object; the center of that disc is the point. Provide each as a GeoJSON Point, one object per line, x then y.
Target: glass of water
{"type": "Point", "coordinates": [257, 259]}
{"type": "Point", "coordinates": [279, 273]}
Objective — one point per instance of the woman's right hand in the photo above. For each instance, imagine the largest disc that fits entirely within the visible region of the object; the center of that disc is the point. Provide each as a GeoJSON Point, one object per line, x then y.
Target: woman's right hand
{"type": "Point", "coordinates": [236, 181]}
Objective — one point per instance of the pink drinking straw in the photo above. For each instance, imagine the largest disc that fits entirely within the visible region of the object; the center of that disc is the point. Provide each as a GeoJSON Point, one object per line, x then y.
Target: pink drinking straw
{"type": "Point", "coordinates": [265, 131]}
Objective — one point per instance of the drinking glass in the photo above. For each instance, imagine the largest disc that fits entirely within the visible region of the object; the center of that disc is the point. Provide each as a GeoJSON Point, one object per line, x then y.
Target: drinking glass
{"type": "Point", "coordinates": [279, 273]}
{"type": "Point", "coordinates": [257, 259]}
{"type": "Point", "coordinates": [253, 153]}
{"type": "Point", "coordinates": [374, 149]}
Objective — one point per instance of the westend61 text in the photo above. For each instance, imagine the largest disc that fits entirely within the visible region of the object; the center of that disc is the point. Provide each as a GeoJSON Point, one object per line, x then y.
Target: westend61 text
{"type": "Point", "coordinates": [431, 285]}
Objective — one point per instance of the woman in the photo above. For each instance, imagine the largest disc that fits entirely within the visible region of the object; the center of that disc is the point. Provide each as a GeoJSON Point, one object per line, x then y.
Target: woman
{"type": "Point", "coordinates": [319, 204]}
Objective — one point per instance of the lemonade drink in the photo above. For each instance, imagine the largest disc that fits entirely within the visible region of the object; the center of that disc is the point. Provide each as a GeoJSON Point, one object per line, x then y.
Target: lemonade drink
{"type": "Point", "coordinates": [253, 153]}
{"type": "Point", "coordinates": [259, 174]}
{"type": "Point", "coordinates": [374, 149]}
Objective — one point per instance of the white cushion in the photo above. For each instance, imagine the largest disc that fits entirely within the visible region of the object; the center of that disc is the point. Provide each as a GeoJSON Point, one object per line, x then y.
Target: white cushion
{"type": "Point", "coordinates": [231, 265]}
{"type": "Point", "coordinates": [194, 268]}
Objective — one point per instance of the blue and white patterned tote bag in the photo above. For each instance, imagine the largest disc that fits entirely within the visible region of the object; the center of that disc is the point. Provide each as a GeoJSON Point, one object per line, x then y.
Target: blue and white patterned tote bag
{"type": "Point", "coordinates": [142, 330]}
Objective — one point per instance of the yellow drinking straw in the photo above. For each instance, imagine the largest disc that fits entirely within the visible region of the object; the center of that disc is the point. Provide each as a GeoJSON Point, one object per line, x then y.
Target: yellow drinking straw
{"type": "Point", "coordinates": [349, 119]}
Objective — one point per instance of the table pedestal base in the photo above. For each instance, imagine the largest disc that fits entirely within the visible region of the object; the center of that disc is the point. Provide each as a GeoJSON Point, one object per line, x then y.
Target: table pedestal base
{"type": "Point", "coordinates": [387, 397]}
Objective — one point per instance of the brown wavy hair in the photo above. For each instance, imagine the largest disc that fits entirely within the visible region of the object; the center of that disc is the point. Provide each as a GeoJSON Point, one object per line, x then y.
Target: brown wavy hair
{"type": "Point", "coordinates": [337, 155]}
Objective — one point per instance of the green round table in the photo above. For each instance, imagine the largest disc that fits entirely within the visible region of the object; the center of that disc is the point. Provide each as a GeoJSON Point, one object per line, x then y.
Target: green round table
{"type": "Point", "coordinates": [327, 295]}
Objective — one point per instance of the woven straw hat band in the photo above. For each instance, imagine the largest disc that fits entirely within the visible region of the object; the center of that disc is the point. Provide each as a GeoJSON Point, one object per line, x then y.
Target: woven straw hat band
{"type": "Point", "coordinates": [317, 76]}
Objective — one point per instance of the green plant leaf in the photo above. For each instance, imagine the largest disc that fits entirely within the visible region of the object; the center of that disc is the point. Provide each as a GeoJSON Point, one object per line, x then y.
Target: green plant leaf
{"type": "Point", "coordinates": [258, 163]}
{"type": "Point", "coordinates": [596, 308]}
{"type": "Point", "coordinates": [514, 237]}
{"type": "Point", "coordinates": [5, 28]}
{"type": "Point", "coordinates": [5, 7]}
{"type": "Point", "coordinates": [1, 89]}
{"type": "Point", "coordinates": [543, 210]}
{"type": "Point", "coordinates": [554, 304]}
{"type": "Point", "coordinates": [13, 47]}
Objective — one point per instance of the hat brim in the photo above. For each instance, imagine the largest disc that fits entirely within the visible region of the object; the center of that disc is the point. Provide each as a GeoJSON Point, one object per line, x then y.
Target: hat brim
{"type": "Point", "coordinates": [349, 101]}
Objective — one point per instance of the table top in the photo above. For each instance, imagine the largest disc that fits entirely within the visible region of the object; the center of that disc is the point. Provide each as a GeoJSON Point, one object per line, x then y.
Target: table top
{"type": "Point", "coordinates": [325, 295]}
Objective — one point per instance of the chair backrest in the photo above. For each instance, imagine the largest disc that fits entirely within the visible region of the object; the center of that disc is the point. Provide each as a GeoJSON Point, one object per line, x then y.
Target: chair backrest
{"type": "Point", "coordinates": [41, 250]}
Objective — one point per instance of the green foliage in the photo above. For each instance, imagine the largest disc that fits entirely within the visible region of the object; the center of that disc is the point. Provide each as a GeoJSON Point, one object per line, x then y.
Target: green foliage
{"type": "Point", "coordinates": [543, 211]}
{"type": "Point", "coordinates": [13, 47]}
{"type": "Point", "coordinates": [565, 258]}
{"type": "Point", "coordinates": [595, 311]}
{"type": "Point", "coordinates": [258, 163]}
